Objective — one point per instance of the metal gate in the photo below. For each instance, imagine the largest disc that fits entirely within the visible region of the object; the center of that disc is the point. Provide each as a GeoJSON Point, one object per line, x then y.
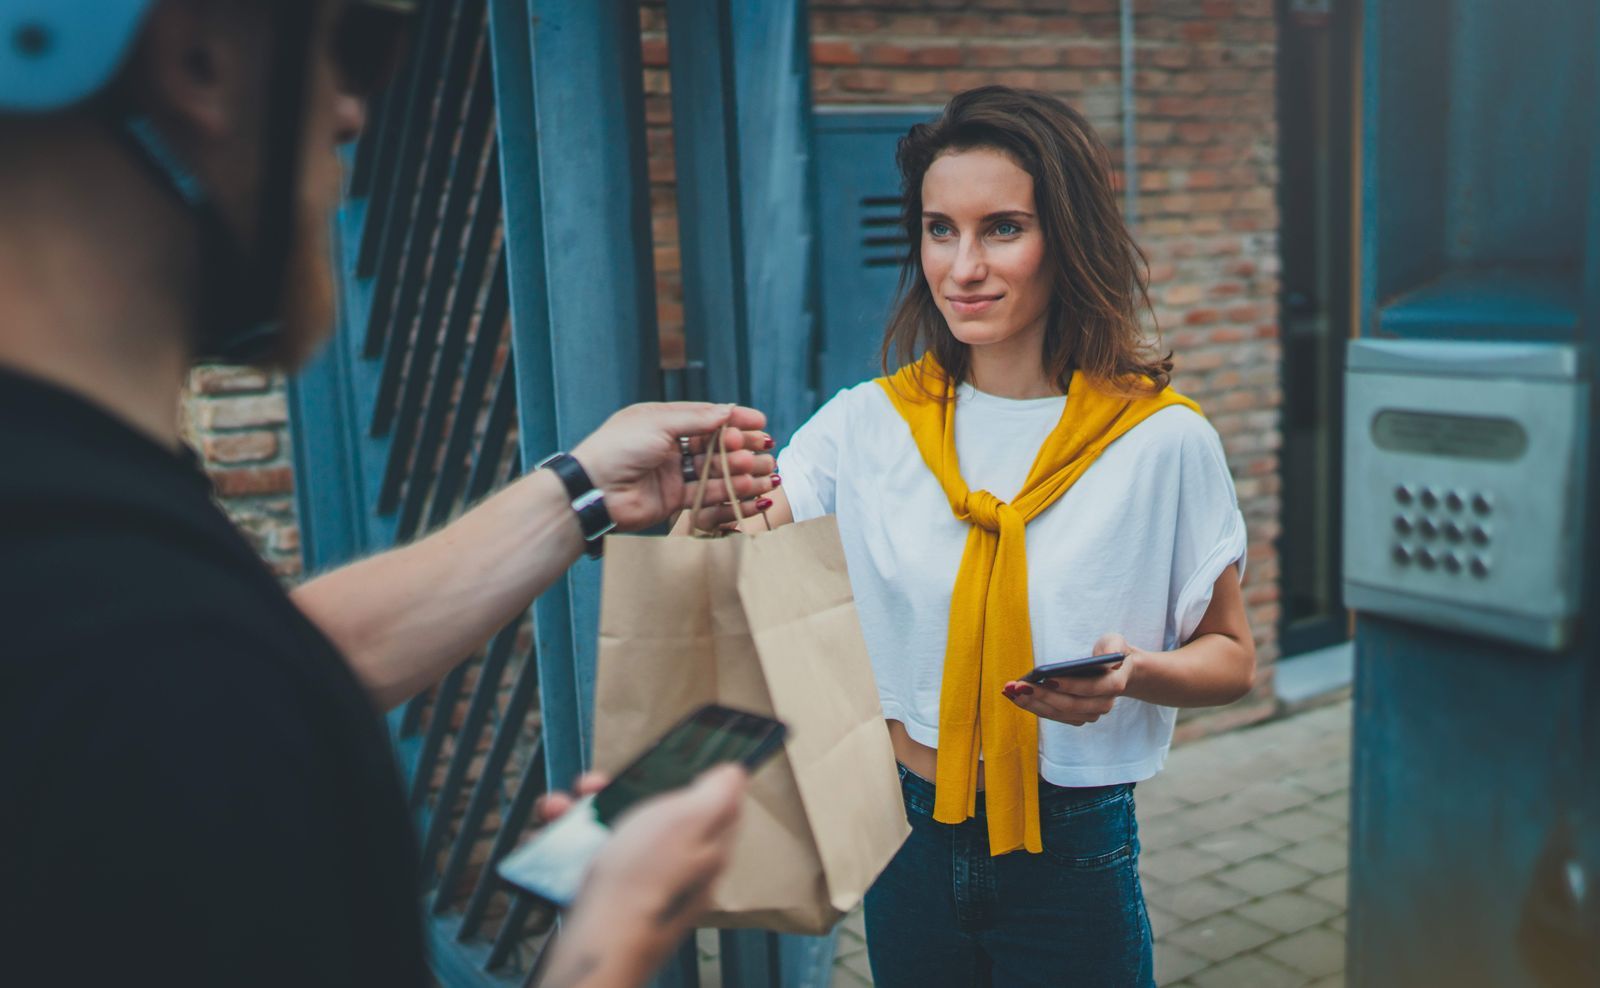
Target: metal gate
{"type": "Point", "coordinates": [504, 171]}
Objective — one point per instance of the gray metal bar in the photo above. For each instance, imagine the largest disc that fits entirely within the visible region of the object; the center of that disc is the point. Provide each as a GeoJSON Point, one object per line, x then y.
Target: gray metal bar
{"type": "Point", "coordinates": [442, 397]}
{"type": "Point", "coordinates": [445, 189]}
{"type": "Point", "coordinates": [474, 392]}
{"type": "Point", "coordinates": [531, 786]}
{"type": "Point", "coordinates": [466, 742]}
{"type": "Point", "coordinates": [444, 705]}
{"type": "Point", "coordinates": [396, 170]}
{"type": "Point", "coordinates": [452, 260]}
{"type": "Point", "coordinates": [490, 782]}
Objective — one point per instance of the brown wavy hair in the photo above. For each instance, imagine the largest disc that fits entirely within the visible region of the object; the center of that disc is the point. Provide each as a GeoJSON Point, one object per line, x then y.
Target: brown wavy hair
{"type": "Point", "coordinates": [1101, 276]}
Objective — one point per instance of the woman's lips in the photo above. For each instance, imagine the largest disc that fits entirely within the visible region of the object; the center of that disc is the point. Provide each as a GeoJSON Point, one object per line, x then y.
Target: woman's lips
{"type": "Point", "coordinates": [971, 305]}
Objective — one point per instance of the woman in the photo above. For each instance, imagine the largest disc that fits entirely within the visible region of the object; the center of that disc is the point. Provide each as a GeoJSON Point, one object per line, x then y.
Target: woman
{"type": "Point", "coordinates": [1024, 489]}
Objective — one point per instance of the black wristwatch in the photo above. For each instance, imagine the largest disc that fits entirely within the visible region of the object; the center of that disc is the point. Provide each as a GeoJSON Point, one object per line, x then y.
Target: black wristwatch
{"type": "Point", "coordinates": [587, 500]}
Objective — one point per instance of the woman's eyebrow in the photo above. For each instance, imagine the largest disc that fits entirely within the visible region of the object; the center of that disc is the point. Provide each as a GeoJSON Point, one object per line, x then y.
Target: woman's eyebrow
{"type": "Point", "coordinates": [1023, 214]}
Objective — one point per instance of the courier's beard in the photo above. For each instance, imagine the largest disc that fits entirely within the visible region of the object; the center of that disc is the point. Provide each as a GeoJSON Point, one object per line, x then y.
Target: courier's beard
{"type": "Point", "coordinates": [308, 293]}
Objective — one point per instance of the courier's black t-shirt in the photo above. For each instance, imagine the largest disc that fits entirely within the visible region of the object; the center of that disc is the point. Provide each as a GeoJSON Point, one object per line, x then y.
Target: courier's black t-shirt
{"type": "Point", "coordinates": [194, 789]}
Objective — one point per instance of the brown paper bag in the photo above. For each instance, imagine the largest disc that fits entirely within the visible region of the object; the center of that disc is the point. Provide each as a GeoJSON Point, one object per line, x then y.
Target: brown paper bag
{"type": "Point", "coordinates": [764, 623]}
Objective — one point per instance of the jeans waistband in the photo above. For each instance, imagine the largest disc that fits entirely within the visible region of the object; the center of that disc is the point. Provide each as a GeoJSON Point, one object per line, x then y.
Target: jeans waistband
{"type": "Point", "coordinates": [919, 793]}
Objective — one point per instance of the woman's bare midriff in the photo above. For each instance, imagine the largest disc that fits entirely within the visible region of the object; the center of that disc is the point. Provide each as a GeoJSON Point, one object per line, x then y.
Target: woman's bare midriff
{"type": "Point", "coordinates": [919, 758]}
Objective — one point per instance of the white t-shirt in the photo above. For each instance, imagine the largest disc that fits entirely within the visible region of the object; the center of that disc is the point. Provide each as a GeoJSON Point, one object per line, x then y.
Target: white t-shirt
{"type": "Point", "coordinates": [1133, 547]}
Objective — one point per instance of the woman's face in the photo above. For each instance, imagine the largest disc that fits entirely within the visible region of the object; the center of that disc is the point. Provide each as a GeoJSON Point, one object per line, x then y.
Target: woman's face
{"type": "Point", "coordinates": [983, 253]}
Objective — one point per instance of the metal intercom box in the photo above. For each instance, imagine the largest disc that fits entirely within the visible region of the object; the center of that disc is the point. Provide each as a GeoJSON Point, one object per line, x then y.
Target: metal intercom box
{"type": "Point", "coordinates": [1464, 486]}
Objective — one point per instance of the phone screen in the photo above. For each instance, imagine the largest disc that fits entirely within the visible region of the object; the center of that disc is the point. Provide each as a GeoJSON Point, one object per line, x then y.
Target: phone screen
{"type": "Point", "coordinates": [710, 736]}
{"type": "Point", "coordinates": [552, 863]}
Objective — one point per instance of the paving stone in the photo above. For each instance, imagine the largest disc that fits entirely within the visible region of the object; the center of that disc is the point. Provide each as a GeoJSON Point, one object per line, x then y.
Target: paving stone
{"type": "Point", "coordinates": [1173, 963]}
{"type": "Point", "coordinates": [1179, 864]}
{"type": "Point", "coordinates": [1297, 825]}
{"type": "Point", "coordinates": [1161, 921]}
{"type": "Point", "coordinates": [1264, 876]}
{"type": "Point", "coordinates": [857, 964]}
{"type": "Point", "coordinates": [1288, 912]}
{"type": "Point", "coordinates": [1327, 781]}
{"type": "Point", "coordinates": [855, 923]}
{"type": "Point", "coordinates": [843, 977]}
{"type": "Point", "coordinates": [1268, 798]}
{"type": "Point", "coordinates": [1196, 899]}
{"type": "Point", "coordinates": [1219, 937]}
{"type": "Point", "coordinates": [1250, 971]}
{"type": "Point", "coordinates": [1321, 855]}
{"type": "Point", "coordinates": [1316, 952]}
{"type": "Point", "coordinates": [1239, 845]}
{"type": "Point", "coordinates": [1335, 807]}
{"type": "Point", "coordinates": [1331, 889]}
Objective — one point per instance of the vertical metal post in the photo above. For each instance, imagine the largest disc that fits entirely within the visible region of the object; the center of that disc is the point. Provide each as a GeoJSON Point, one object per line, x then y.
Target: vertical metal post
{"type": "Point", "coordinates": [1130, 120]}
{"type": "Point", "coordinates": [741, 113]}
{"type": "Point", "coordinates": [706, 148]}
{"type": "Point", "coordinates": [577, 225]}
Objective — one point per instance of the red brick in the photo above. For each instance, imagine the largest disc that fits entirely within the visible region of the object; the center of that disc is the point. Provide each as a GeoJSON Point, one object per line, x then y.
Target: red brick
{"type": "Point", "coordinates": [253, 480]}
{"type": "Point", "coordinates": [216, 380]}
{"type": "Point", "coordinates": [834, 53]}
{"type": "Point", "coordinates": [864, 80]}
{"type": "Point", "coordinates": [241, 447]}
{"type": "Point", "coordinates": [914, 82]}
{"type": "Point", "coordinates": [242, 413]}
{"type": "Point", "coordinates": [654, 52]}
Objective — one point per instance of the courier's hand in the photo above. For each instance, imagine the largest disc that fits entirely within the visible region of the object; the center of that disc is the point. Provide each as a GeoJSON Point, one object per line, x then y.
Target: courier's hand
{"type": "Point", "coordinates": [635, 461]}
{"type": "Point", "coordinates": [650, 883]}
{"type": "Point", "coordinates": [1079, 701]}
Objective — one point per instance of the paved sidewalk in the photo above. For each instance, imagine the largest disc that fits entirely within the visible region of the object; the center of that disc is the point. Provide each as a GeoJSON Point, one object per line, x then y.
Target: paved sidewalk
{"type": "Point", "coordinates": [1245, 838]}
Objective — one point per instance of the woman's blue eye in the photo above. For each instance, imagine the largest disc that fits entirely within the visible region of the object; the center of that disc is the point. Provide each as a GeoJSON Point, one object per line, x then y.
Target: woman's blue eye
{"type": "Point", "coordinates": [1007, 229]}
{"type": "Point", "coordinates": [939, 229]}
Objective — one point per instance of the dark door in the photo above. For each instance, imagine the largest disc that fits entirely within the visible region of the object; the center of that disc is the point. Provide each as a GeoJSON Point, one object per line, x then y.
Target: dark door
{"type": "Point", "coordinates": [1315, 151]}
{"type": "Point", "coordinates": [863, 245]}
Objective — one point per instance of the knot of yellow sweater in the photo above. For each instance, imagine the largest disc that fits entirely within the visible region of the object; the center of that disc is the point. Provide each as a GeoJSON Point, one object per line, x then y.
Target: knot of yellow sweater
{"type": "Point", "coordinates": [984, 510]}
{"type": "Point", "coordinates": [991, 640]}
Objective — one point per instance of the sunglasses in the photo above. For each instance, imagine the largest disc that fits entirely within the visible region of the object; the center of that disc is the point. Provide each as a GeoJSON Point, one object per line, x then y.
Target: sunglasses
{"type": "Point", "coordinates": [369, 43]}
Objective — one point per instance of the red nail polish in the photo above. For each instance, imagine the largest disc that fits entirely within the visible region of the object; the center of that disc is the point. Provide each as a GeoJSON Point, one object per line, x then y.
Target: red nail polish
{"type": "Point", "coordinates": [764, 504]}
{"type": "Point", "coordinates": [768, 444]}
{"type": "Point", "coordinates": [777, 481]}
{"type": "Point", "coordinates": [1025, 689]}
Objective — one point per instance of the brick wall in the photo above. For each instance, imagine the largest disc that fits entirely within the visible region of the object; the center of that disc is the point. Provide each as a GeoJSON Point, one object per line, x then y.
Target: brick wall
{"type": "Point", "coordinates": [1206, 147]}
{"type": "Point", "coordinates": [236, 419]}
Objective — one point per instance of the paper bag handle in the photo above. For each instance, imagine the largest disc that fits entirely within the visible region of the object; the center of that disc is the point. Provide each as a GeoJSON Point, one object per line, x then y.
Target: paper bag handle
{"type": "Point", "coordinates": [705, 481]}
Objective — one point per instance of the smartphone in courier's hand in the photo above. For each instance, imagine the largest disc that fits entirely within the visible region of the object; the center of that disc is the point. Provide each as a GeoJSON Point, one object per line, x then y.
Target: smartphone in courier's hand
{"type": "Point", "coordinates": [1087, 667]}
{"type": "Point", "coordinates": [553, 862]}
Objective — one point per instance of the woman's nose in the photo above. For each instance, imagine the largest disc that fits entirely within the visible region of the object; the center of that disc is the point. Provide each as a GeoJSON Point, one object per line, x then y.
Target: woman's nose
{"type": "Point", "coordinates": [970, 265]}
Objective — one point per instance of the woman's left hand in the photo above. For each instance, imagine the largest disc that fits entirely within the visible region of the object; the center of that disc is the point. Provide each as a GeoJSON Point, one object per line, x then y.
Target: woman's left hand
{"type": "Point", "coordinates": [1077, 701]}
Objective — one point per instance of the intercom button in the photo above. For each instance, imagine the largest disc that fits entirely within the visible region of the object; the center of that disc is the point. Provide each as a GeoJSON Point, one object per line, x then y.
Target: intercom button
{"type": "Point", "coordinates": [1402, 554]}
{"type": "Point", "coordinates": [1428, 527]}
{"type": "Point", "coordinates": [1429, 498]}
{"type": "Point", "coordinates": [1426, 559]}
{"type": "Point", "coordinates": [1482, 504]}
{"type": "Point", "coordinates": [1452, 562]}
{"type": "Point", "coordinates": [1480, 567]}
{"type": "Point", "coordinates": [1454, 531]}
{"type": "Point", "coordinates": [1403, 494]}
{"type": "Point", "coordinates": [1402, 525]}
{"type": "Point", "coordinates": [1454, 501]}
{"type": "Point", "coordinates": [1480, 535]}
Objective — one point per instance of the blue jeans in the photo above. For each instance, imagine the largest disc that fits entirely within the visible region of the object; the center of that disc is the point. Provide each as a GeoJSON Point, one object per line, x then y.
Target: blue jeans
{"type": "Point", "coordinates": [946, 913]}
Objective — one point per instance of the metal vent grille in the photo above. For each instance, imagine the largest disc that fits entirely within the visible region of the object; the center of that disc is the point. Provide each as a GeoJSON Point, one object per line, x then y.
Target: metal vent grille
{"type": "Point", "coordinates": [883, 239]}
